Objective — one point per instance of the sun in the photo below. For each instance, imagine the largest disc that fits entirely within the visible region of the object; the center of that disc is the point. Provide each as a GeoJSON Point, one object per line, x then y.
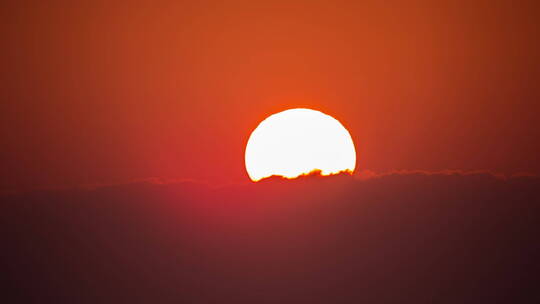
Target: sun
{"type": "Point", "coordinates": [296, 142]}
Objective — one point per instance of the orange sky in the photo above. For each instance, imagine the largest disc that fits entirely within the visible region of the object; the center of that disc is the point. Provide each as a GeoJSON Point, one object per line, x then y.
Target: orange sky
{"type": "Point", "coordinates": [104, 93]}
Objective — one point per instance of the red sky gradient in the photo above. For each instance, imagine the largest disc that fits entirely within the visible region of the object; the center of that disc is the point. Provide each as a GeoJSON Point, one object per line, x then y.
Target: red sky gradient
{"type": "Point", "coordinates": [110, 92]}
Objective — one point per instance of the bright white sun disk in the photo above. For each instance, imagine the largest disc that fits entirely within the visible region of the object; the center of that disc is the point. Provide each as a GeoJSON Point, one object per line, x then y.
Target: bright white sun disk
{"type": "Point", "coordinates": [296, 142]}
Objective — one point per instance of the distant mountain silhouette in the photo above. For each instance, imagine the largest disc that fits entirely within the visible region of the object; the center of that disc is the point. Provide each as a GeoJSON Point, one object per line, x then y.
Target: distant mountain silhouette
{"type": "Point", "coordinates": [399, 238]}
{"type": "Point", "coordinates": [316, 173]}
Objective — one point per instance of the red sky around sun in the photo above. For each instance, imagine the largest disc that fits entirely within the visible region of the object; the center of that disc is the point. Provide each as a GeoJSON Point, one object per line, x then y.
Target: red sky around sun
{"type": "Point", "coordinates": [105, 91]}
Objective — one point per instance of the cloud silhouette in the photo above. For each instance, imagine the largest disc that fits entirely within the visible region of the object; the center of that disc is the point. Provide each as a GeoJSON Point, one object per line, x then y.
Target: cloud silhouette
{"type": "Point", "coordinates": [401, 237]}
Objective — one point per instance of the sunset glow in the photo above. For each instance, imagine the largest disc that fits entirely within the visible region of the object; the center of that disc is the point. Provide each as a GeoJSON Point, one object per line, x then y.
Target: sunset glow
{"type": "Point", "coordinates": [296, 142]}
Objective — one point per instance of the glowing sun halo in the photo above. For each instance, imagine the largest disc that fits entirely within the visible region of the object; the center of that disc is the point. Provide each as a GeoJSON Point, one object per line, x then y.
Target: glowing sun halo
{"type": "Point", "coordinates": [296, 142]}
